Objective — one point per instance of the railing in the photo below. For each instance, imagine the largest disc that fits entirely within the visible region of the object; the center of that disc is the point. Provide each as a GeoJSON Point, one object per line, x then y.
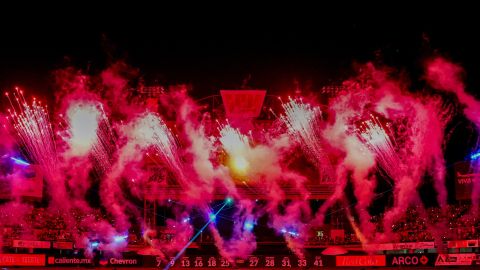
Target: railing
{"type": "Point", "coordinates": [315, 192]}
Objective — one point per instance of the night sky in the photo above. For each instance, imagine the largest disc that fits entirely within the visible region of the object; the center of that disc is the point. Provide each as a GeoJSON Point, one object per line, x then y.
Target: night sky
{"type": "Point", "coordinates": [219, 49]}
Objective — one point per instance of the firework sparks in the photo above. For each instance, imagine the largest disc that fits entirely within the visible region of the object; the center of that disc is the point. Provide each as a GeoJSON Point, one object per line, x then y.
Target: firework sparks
{"type": "Point", "coordinates": [83, 119]}
{"type": "Point", "coordinates": [90, 133]}
{"type": "Point", "coordinates": [236, 145]}
{"type": "Point", "coordinates": [375, 136]}
{"type": "Point", "coordinates": [150, 130]}
{"type": "Point", "coordinates": [34, 130]}
{"type": "Point", "coordinates": [302, 121]}
{"type": "Point", "coordinates": [105, 146]}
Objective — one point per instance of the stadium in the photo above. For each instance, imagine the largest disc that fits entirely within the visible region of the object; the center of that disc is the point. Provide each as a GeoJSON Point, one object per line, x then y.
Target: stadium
{"type": "Point", "coordinates": [109, 169]}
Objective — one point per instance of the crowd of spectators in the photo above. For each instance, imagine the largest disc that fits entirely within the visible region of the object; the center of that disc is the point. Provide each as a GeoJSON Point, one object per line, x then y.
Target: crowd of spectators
{"type": "Point", "coordinates": [454, 222]}
{"type": "Point", "coordinates": [45, 225]}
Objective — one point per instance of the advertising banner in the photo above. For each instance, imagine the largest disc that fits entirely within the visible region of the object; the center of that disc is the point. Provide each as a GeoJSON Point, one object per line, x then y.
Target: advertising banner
{"type": "Point", "coordinates": [413, 260]}
{"type": "Point", "coordinates": [63, 245]}
{"type": "Point", "coordinates": [400, 246]}
{"type": "Point", "coordinates": [464, 178]}
{"type": "Point", "coordinates": [68, 261]}
{"type": "Point", "coordinates": [127, 261]}
{"type": "Point", "coordinates": [30, 244]}
{"type": "Point", "coordinates": [455, 259]}
{"type": "Point", "coordinates": [22, 259]}
{"type": "Point", "coordinates": [462, 244]}
{"type": "Point", "coordinates": [367, 260]}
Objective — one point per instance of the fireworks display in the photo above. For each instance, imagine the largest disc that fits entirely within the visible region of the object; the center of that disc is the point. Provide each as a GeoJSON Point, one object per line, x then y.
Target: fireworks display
{"type": "Point", "coordinates": [198, 162]}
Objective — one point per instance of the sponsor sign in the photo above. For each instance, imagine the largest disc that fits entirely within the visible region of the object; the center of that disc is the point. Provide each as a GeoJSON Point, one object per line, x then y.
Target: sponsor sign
{"type": "Point", "coordinates": [399, 246]}
{"type": "Point", "coordinates": [455, 259]}
{"type": "Point", "coordinates": [122, 261]}
{"type": "Point", "coordinates": [63, 245]}
{"type": "Point", "coordinates": [68, 261]}
{"type": "Point", "coordinates": [464, 178]}
{"type": "Point", "coordinates": [22, 259]}
{"type": "Point", "coordinates": [30, 244]}
{"type": "Point", "coordinates": [414, 260]}
{"type": "Point", "coordinates": [372, 260]}
{"type": "Point", "coordinates": [414, 245]}
{"type": "Point", "coordinates": [243, 103]}
{"type": "Point", "coordinates": [462, 244]}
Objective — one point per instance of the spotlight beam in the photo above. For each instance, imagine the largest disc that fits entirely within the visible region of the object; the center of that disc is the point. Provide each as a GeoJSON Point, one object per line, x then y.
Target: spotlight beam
{"type": "Point", "coordinates": [19, 161]}
{"type": "Point", "coordinates": [210, 220]}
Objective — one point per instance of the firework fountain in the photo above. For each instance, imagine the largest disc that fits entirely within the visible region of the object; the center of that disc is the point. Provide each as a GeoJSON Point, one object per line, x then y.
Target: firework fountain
{"type": "Point", "coordinates": [303, 123]}
{"type": "Point", "coordinates": [374, 135]}
{"type": "Point", "coordinates": [90, 133]}
{"type": "Point", "coordinates": [31, 123]}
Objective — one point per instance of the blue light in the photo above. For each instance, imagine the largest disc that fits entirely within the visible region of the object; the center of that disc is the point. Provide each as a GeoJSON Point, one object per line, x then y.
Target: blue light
{"type": "Point", "coordinates": [120, 238]}
{"type": "Point", "coordinates": [229, 200]}
{"type": "Point", "coordinates": [475, 156]}
{"type": "Point", "coordinates": [94, 244]}
{"type": "Point", "coordinates": [212, 216]}
{"type": "Point", "coordinates": [186, 220]}
{"type": "Point", "coordinates": [248, 226]}
{"type": "Point", "coordinates": [20, 162]}
{"type": "Point", "coordinates": [290, 232]}
{"type": "Point", "coordinates": [293, 233]}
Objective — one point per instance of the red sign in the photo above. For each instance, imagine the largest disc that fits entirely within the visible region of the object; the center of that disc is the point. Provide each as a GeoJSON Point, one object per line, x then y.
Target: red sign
{"type": "Point", "coordinates": [22, 259]}
{"type": "Point", "coordinates": [123, 262]}
{"type": "Point", "coordinates": [63, 245]}
{"type": "Point", "coordinates": [30, 244]}
{"type": "Point", "coordinates": [455, 259]}
{"type": "Point", "coordinates": [465, 176]}
{"type": "Point", "coordinates": [243, 103]}
{"type": "Point", "coordinates": [412, 260]}
{"type": "Point", "coordinates": [51, 260]}
{"type": "Point", "coordinates": [374, 260]}
{"type": "Point", "coordinates": [462, 243]}
{"type": "Point", "coordinates": [399, 246]}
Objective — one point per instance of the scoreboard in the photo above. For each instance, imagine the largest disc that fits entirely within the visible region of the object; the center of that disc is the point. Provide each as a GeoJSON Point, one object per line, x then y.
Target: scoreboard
{"type": "Point", "coordinates": [273, 262]}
